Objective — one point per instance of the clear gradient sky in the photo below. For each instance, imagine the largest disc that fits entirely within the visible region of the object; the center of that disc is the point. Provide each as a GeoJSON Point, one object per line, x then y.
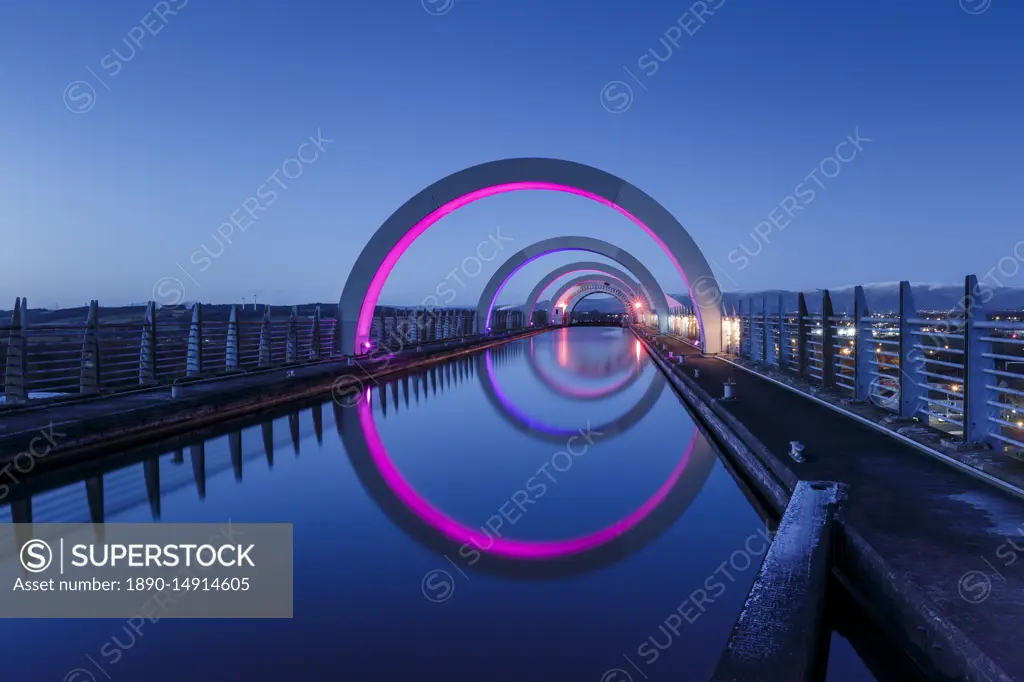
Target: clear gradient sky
{"type": "Point", "coordinates": [183, 128]}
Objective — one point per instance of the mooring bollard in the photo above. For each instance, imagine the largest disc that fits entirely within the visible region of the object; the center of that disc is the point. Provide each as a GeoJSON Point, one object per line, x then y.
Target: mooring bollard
{"type": "Point", "coordinates": [727, 390]}
{"type": "Point", "coordinates": [796, 450]}
{"type": "Point", "coordinates": [176, 389]}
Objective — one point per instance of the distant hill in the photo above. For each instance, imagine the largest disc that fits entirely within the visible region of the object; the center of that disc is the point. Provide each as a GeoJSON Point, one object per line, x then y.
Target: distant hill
{"type": "Point", "coordinates": [881, 297]}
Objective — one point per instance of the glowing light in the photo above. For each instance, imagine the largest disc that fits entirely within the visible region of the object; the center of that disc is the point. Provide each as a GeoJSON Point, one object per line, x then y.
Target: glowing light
{"type": "Point", "coordinates": [377, 283]}
{"type": "Point", "coordinates": [638, 305]}
{"type": "Point", "coordinates": [508, 547]}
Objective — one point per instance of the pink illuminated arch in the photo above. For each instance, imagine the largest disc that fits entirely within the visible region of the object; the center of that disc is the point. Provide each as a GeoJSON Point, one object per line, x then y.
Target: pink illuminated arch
{"type": "Point", "coordinates": [576, 268]}
{"type": "Point", "coordinates": [412, 219]}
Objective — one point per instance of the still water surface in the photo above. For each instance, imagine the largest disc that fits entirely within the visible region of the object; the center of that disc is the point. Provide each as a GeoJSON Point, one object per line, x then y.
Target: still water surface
{"type": "Point", "coordinates": [546, 510]}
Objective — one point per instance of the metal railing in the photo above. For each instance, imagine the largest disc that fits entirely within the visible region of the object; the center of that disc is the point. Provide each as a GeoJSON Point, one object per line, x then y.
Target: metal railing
{"type": "Point", "coordinates": [40, 361]}
{"type": "Point", "coordinates": [960, 371]}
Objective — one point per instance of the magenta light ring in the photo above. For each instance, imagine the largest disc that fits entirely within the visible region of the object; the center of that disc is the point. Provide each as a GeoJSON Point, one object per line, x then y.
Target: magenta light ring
{"type": "Point", "coordinates": [380, 277]}
{"type": "Point", "coordinates": [516, 549]}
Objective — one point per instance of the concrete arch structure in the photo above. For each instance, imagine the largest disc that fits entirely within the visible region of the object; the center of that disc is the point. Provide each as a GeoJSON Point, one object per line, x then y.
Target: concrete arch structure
{"type": "Point", "coordinates": [574, 243]}
{"type": "Point", "coordinates": [414, 217]}
{"type": "Point", "coordinates": [576, 297]}
{"type": "Point", "coordinates": [573, 268]}
{"type": "Point", "coordinates": [606, 288]}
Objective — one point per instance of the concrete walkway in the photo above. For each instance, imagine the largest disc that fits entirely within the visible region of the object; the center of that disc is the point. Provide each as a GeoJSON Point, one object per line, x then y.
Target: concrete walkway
{"type": "Point", "coordinates": [956, 538]}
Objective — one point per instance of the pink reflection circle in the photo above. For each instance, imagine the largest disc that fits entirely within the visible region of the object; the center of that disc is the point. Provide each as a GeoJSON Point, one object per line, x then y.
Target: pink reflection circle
{"type": "Point", "coordinates": [516, 549]}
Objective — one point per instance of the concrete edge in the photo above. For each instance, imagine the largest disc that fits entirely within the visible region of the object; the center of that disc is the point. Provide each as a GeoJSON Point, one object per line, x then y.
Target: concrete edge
{"type": "Point", "coordinates": [942, 457]}
{"type": "Point", "coordinates": [750, 465]}
{"type": "Point", "coordinates": [779, 632]}
{"type": "Point", "coordinates": [878, 581]}
{"type": "Point", "coordinates": [915, 620]}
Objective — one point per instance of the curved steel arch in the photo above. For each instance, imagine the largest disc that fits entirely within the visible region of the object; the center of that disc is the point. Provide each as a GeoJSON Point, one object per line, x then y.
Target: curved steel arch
{"type": "Point", "coordinates": [414, 217]}
{"type": "Point", "coordinates": [583, 266]}
{"type": "Point", "coordinates": [618, 292]}
{"type": "Point", "coordinates": [573, 243]}
{"type": "Point", "coordinates": [576, 297]}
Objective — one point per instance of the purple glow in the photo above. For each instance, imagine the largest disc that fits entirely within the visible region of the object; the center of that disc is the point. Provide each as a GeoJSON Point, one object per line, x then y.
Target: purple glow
{"type": "Point", "coordinates": [533, 303]}
{"type": "Point", "coordinates": [516, 549]}
{"type": "Point", "coordinates": [377, 283]}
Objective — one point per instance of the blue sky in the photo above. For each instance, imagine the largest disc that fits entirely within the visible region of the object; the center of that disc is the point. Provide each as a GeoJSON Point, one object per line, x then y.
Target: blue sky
{"type": "Point", "coordinates": [186, 125]}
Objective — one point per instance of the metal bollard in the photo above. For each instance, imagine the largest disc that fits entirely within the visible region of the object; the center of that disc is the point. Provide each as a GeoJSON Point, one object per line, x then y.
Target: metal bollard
{"type": "Point", "coordinates": [696, 373]}
{"type": "Point", "coordinates": [727, 390]}
{"type": "Point", "coordinates": [176, 389]}
{"type": "Point", "coordinates": [796, 450]}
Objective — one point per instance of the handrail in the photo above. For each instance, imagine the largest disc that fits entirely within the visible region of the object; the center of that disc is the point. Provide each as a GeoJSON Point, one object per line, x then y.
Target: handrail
{"type": "Point", "coordinates": [946, 368]}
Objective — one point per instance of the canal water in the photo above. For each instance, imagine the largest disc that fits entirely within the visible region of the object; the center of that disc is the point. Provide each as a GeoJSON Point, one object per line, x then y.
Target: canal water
{"type": "Point", "coordinates": [545, 510]}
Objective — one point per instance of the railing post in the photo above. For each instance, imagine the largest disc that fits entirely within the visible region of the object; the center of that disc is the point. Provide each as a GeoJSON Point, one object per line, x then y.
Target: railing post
{"type": "Point", "coordinates": [764, 331]}
{"type": "Point", "coordinates": [861, 345]}
{"type": "Point", "coordinates": [89, 374]}
{"type": "Point", "coordinates": [314, 351]}
{"type": "Point", "coordinates": [977, 411]}
{"type": "Point", "coordinates": [378, 341]}
{"type": "Point", "coordinates": [801, 335]}
{"type": "Point", "coordinates": [828, 351]}
{"type": "Point", "coordinates": [734, 324]}
{"type": "Point", "coordinates": [784, 351]}
{"type": "Point", "coordinates": [147, 346]}
{"type": "Point", "coordinates": [231, 345]}
{"type": "Point", "coordinates": [743, 336]}
{"type": "Point", "coordinates": [910, 388]}
{"type": "Point", "coordinates": [752, 346]}
{"type": "Point", "coordinates": [337, 335]}
{"type": "Point", "coordinates": [194, 362]}
{"type": "Point", "coordinates": [266, 339]}
{"type": "Point", "coordinates": [16, 376]}
{"type": "Point", "coordinates": [291, 348]}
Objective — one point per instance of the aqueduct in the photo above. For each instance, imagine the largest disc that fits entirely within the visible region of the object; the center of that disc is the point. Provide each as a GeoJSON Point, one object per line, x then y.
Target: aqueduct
{"type": "Point", "coordinates": [574, 243]}
{"type": "Point", "coordinates": [573, 291]}
{"type": "Point", "coordinates": [573, 268]}
{"type": "Point", "coordinates": [375, 262]}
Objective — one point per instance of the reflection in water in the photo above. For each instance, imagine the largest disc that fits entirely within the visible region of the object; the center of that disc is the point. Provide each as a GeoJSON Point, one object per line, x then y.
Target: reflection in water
{"type": "Point", "coordinates": [440, 532]}
{"type": "Point", "coordinates": [425, 478]}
